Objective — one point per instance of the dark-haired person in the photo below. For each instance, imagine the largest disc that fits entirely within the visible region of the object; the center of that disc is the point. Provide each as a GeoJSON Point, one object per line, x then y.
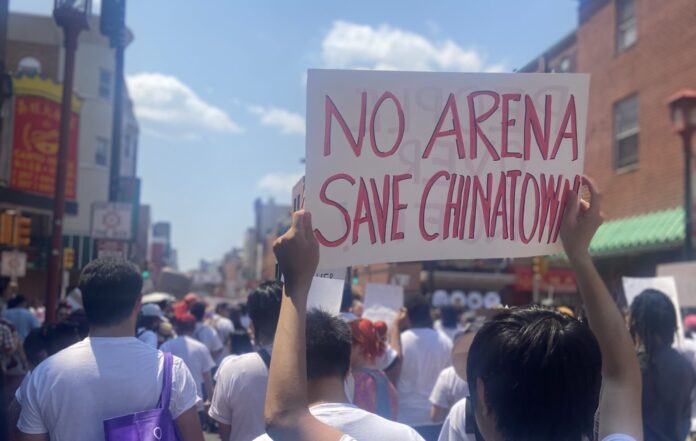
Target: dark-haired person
{"type": "Point", "coordinates": [204, 333]}
{"type": "Point", "coordinates": [240, 392]}
{"type": "Point", "coordinates": [668, 377]}
{"type": "Point", "coordinates": [18, 314]}
{"type": "Point", "coordinates": [544, 404]}
{"type": "Point", "coordinates": [147, 327]}
{"type": "Point", "coordinates": [328, 365]}
{"type": "Point", "coordinates": [195, 355]}
{"type": "Point", "coordinates": [108, 374]}
{"type": "Point", "coordinates": [224, 328]}
{"type": "Point", "coordinates": [426, 353]}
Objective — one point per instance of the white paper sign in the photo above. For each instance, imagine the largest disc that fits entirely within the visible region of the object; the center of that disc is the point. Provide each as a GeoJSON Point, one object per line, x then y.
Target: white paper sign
{"type": "Point", "coordinates": [633, 286]}
{"type": "Point", "coordinates": [326, 294]}
{"type": "Point", "coordinates": [407, 166]}
{"type": "Point", "coordinates": [112, 220]}
{"type": "Point", "coordinates": [14, 264]}
{"type": "Point", "coordinates": [382, 302]}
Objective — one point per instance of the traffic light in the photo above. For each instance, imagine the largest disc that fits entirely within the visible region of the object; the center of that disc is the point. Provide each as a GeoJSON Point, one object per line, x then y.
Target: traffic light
{"type": "Point", "coordinates": [68, 258]}
{"type": "Point", "coordinates": [22, 231]}
{"type": "Point", "coordinates": [7, 228]}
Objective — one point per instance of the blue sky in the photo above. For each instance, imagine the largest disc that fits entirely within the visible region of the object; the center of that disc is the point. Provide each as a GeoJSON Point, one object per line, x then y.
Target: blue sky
{"type": "Point", "coordinates": [219, 87]}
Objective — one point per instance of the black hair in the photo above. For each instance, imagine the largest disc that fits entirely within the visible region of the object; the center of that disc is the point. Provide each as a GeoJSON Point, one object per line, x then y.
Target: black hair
{"type": "Point", "coordinates": [449, 316]}
{"type": "Point", "coordinates": [263, 305]}
{"type": "Point", "coordinates": [61, 335]}
{"type": "Point", "coordinates": [16, 301]}
{"type": "Point", "coordinates": [418, 310]}
{"type": "Point", "coordinates": [653, 320]}
{"type": "Point", "coordinates": [35, 346]}
{"type": "Point", "coordinates": [79, 320]}
{"type": "Point", "coordinates": [110, 290]}
{"type": "Point", "coordinates": [541, 372]}
{"type": "Point", "coordinates": [222, 306]}
{"type": "Point", "coordinates": [198, 310]}
{"type": "Point", "coordinates": [347, 298]}
{"type": "Point", "coordinates": [147, 321]}
{"type": "Point", "coordinates": [329, 344]}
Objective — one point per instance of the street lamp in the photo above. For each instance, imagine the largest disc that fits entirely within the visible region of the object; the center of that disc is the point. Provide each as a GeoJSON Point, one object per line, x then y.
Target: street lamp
{"type": "Point", "coordinates": [73, 17]}
{"type": "Point", "coordinates": [682, 106]}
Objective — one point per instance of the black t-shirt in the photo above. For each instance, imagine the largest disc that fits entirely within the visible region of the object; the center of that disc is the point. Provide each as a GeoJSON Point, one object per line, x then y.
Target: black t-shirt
{"type": "Point", "coordinates": [668, 382]}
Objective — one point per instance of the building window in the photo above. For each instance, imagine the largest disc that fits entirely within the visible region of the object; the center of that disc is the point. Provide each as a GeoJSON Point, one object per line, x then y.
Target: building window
{"type": "Point", "coordinates": [104, 83]}
{"type": "Point", "coordinates": [29, 66]}
{"type": "Point", "coordinates": [626, 132]}
{"type": "Point", "coordinates": [101, 153]}
{"type": "Point", "coordinates": [626, 31]}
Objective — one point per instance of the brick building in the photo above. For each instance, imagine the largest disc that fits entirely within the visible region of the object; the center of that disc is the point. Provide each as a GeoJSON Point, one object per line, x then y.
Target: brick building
{"type": "Point", "coordinates": [639, 52]}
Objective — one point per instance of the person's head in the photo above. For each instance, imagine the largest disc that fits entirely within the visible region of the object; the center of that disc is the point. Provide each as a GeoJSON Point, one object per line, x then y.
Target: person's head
{"type": "Point", "coordinates": [223, 309]}
{"type": "Point", "coordinates": [198, 311]}
{"type": "Point", "coordinates": [185, 324]}
{"type": "Point", "coordinates": [18, 301]}
{"type": "Point", "coordinates": [263, 305]}
{"type": "Point", "coordinates": [368, 344]}
{"type": "Point", "coordinates": [461, 345]}
{"type": "Point", "coordinates": [111, 292]}
{"type": "Point", "coordinates": [653, 320]}
{"type": "Point", "coordinates": [35, 347]}
{"type": "Point", "coordinates": [449, 316]}
{"type": "Point", "coordinates": [418, 311]}
{"type": "Point", "coordinates": [61, 335]}
{"type": "Point", "coordinates": [78, 319]}
{"type": "Point", "coordinates": [534, 374]}
{"type": "Point", "coordinates": [328, 346]}
{"type": "Point", "coordinates": [150, 316]}
{"type": "Point", "coordinates": [62, 311]}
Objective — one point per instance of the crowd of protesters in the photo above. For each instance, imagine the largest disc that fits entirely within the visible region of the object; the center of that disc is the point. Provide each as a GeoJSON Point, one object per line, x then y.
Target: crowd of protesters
{"type": "Point", "coordinates": [270, 369]}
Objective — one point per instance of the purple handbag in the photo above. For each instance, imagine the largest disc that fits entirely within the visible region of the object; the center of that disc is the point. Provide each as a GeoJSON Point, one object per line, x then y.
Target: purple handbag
{"type": "Point", "coordinates": [149, 425]}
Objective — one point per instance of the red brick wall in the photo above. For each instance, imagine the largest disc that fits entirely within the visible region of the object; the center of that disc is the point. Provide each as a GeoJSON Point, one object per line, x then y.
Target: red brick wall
{"type": "Point", "coordinates": [48, 55]}
{"type": "Point", "coordinates": [662, 61]}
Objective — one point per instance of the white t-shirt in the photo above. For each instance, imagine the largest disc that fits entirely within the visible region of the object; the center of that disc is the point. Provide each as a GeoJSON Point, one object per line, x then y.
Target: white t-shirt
{"type": "Point", "coordinates": [195, 355]}
{"type": "Point", "coordinates": [359, 424]}
{"type": "Point", "coordinates": [224, 327]}
{"type": "Point", "coordinates": [426, 353]}
{"type": "Point", "coordinates": [449, 389]}
{"type": "Point", "coordinates": [70, 394]}
{"type": "Point", "coordinates": [454, 428]}
{"type": "Point", "coordinates": [206, 335]}
{"type": "Point", "coordinates": [240, 395]}
{"type": "Point", "coordinates": [148, 337]}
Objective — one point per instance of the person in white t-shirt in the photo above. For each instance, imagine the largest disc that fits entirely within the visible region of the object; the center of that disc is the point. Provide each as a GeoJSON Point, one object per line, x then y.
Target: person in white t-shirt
{"type": "Point", "coordinates": [426, 353]}
{"type": "Point", "coordinates": [110, 373]}
{"type": "Point", "coordinates": [553, 360]}
{"type": "Point", "coordinates": [148, 324]}
{"type": "Point", "coordinates": [240, 392]}
{"type": "Point", "coordinates": [329, 346]}
{"type": "Point", "coordinates": [204, 333]}
{"type": "Point", "coordinates": [194, 354]}
{"type": "Point", "coordinates": [224, 328]}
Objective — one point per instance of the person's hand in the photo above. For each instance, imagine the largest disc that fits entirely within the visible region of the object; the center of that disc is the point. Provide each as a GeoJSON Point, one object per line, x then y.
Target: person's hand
{"type": "Point", "coordinates": [297, 252]}
{"type": "Point", "coordinates": [580, 222]}
{"type": "Point", "coordinates": [401, 321]}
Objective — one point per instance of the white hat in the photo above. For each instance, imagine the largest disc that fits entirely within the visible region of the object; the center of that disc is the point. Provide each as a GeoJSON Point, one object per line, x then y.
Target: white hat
{"type": "Point", "coordinates": [151, 310]}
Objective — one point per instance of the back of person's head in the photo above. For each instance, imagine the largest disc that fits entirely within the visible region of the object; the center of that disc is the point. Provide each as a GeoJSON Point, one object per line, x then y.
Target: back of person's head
{"type": "Point", "coordinates": [541, 376]}
{"type": "Point", "coordinates": [18, 301]}
{"type": "Point", "coordinates": [35, 347]}
{"type": "Point", "coordinates": [198, 311]}
{"type": "Point", "coordinates": [653, 320]}
{"type": "Point", "coordinates": [366, 336]}
{"type": "Point", "coordinates": [61, 335]}
{"type": "Point", "coordinates": [111, 288]}
{"type": "Point", "coordinates": [418, 310]}
{"type": "Point", "coordinates": [328, 346]}
{"type": "Point", "coordinates": [185, 324]}
{"type": "Point", "coordinates": [263, 305]}
{"type": "Point", "coordinates": [223, 309]}
{"type": "Point", "coordinates": [449, 316]}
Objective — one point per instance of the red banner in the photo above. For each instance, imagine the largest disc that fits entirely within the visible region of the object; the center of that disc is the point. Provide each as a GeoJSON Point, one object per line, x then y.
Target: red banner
{"type": "Point", "coordinates": [35, 147]}
{"type": "Point", "coordinates": [562, 279]}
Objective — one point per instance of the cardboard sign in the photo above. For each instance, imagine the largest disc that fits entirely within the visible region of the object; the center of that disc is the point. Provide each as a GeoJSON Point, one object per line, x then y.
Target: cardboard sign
{"type": "Point", "coordinates": [326, 294]}
{"type": "Point", "coordinates": [633, 286]}
{"type": "Point", "coordinates": [406, 166]}
{"type": "Point", "coordinates": [382, 302]}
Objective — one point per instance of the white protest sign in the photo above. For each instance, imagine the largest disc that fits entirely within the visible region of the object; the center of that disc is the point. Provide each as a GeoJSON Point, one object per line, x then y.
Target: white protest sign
{"type": "Point", "coordinates": [14, 264]}
{"type": "Point", "coordinates": [407, 166]}
{"type": "Point", "coordinates": [326, 294]}
{"type": "Point", "coordinates": [633, 286]}
{"type": "Point", "coordinates": [382, 302]}
{"type": "Point", "coordinates": [684, 274]}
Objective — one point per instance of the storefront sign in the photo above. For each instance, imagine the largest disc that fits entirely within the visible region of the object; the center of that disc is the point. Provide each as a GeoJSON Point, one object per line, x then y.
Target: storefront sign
{"type": "Point", "coordinates": [112, 220]}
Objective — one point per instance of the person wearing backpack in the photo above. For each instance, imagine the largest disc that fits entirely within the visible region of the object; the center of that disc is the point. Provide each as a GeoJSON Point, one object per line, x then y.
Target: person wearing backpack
{"type": "Point", "coordinates": [111, 385]}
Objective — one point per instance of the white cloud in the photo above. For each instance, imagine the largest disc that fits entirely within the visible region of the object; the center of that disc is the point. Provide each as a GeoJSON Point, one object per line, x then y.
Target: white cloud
{"type": "Point", "coordinates": [351, 45]}
{"type": "Point", "coordinates": [279, 185]}
{"type": "Point", "coordinates": [164, 103]}
{"type": "Point", "coordinates": [288, 122]}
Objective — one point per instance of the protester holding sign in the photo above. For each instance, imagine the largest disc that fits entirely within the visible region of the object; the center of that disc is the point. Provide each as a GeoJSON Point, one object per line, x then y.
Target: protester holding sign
{"type": "Point", "coordinates": [502, 417]}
